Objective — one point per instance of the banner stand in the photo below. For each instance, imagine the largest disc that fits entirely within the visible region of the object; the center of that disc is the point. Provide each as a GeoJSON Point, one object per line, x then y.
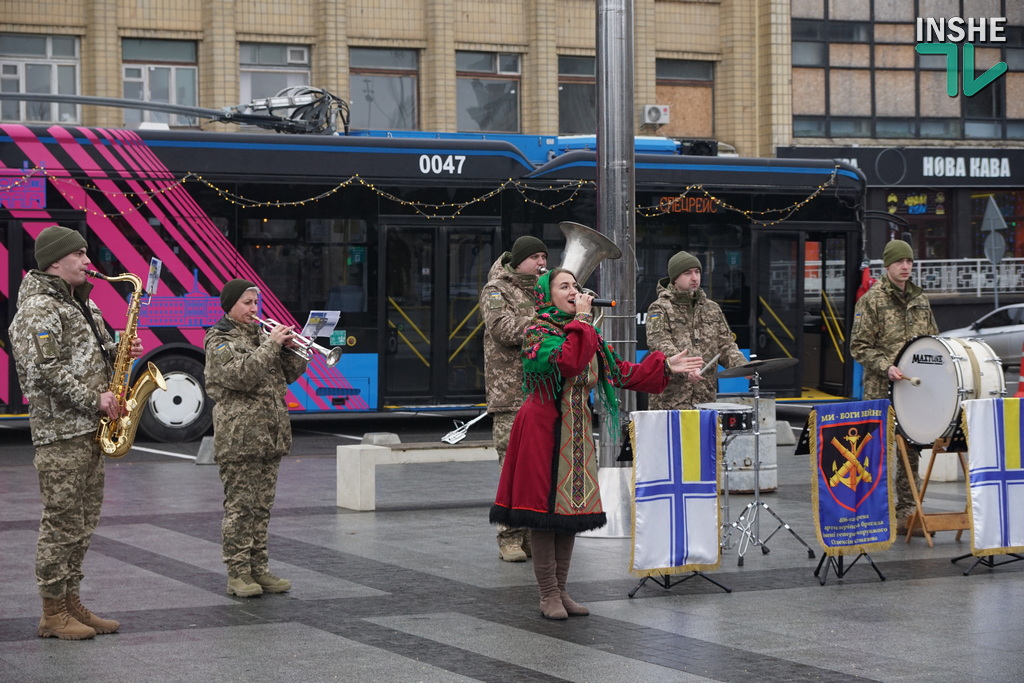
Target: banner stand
{"type": "Point", "coordinates": [666, 582]}
{"type": "Point", "coordinates": [987, 561]}
{"type": "Point", "coordinates": [836, 564]}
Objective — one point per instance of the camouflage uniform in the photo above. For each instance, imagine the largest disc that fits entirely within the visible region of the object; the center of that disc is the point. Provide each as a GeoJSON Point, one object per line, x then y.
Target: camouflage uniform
{"type": "Point", "coordinates": [678, 322]}
{"type": "Point", "coordinates": [507, 307]}
{"type": "Point", "coordinates": [247, 375]}
{"type": "Point", "coordinates": [63, 368]}
{"type": "Point", "coordinates": [884, 320]}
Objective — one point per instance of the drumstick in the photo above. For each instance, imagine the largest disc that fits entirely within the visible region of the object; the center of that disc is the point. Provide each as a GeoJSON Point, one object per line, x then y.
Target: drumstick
{"type": "Point", "coordinates": [916, 381]}
{"type": "Point", "coordinates": [711, 364]}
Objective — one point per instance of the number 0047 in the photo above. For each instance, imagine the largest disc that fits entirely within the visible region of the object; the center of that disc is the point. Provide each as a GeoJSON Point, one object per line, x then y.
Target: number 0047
{"type": "Point", "coordinates": [435, 164]}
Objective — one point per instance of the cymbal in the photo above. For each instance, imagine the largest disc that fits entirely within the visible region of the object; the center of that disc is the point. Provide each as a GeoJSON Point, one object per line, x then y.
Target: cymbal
{"type": "Point", "coordinates": [758, 366]}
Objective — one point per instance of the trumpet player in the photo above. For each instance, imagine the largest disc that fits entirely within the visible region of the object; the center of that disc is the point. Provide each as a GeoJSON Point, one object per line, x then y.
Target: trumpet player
{"type": "Point", "coordinates": [506, 304]}
{"type": "Point", "coordinates": [64, 358]}
{"type": "Point", "coordinates": [248, 372]}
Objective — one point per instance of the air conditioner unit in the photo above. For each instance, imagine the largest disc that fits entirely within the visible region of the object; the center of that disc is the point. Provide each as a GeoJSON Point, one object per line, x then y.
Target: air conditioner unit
{"type": "Point", "coordinates": [656, 114]}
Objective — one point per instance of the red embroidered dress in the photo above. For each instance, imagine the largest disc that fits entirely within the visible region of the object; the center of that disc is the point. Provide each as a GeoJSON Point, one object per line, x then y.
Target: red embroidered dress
{"type": "Point", "coordinates": [549, 479]}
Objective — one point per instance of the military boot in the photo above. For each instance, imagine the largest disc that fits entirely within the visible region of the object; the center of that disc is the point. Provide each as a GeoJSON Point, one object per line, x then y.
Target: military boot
{"type": "Point", "coordinates": [56, 622]}
{"type": "Point", "coordinates": [272, 584]}
{"type": "Point", "coordinates": [82, 614]}
{"type": "Point", "coordinates": [243, 586]}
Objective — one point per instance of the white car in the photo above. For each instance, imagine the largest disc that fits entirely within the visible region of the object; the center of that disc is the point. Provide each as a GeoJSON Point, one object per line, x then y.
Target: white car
{"type": "Point", "coordinates": [1002, 330]}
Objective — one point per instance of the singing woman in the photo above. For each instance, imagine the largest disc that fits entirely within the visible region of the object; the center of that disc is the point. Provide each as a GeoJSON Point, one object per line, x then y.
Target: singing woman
{"type": "Point", "coordinates": [549, 483]}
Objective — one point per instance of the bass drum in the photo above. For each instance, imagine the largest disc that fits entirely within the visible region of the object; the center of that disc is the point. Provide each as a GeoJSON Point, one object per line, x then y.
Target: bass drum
{"type": "Point", "coordinates": [941, 373]}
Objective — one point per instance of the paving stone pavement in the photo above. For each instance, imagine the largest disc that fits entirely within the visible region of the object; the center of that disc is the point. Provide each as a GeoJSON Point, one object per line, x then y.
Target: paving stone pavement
{"type": "Point", "coordinates": [415, 592]}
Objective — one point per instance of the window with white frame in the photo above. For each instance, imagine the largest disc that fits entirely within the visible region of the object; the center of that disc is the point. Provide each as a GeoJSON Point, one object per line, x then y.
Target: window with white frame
{"type": "Point", "coordinates": [162, 71]}
{"type": "Point", "coordinates": [383, 88]}
{"type": "Point", "coordinates": [487, 91]}
{"type": "Point", "coordinates": [268, 68]}
{"type": "Point", "coordinates": [32, 63]}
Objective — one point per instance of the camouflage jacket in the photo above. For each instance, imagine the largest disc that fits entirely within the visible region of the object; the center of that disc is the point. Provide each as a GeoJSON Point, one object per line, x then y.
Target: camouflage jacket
{"type": "Point", "coordinates": [247, 376]}
{"type": "Point", "coordinates": [674, 325]}
{"type": "Point", "coordinates": [883, 321]}
{"type": "Point", "coordinates": [507, 307]}
{"type": "Point", "coordinates": [62, 367]}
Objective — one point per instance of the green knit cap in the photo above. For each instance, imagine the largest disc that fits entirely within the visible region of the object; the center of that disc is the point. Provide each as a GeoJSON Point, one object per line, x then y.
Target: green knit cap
{"type": "Point", "coordinates": [680, 263]}
{"type": "Point", "coordinates": [56, 242]}
{"type": "Point", "coordinates": [525, 246]}
{"type": "Point", "coordinates": [896, 250]}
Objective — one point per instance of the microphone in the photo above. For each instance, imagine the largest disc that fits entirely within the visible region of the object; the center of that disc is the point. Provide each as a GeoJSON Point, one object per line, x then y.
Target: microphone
{"type": "Point", "coordinates": [609, 303]}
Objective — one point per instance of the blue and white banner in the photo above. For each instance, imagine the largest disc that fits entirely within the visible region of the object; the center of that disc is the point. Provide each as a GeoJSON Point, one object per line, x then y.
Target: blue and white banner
{"type": "Point", "coordinates": [852, 450]}
{"type": "Point", "coordinates": [993, 427]}
{"type": "Point", "coordinates": [675, 491]}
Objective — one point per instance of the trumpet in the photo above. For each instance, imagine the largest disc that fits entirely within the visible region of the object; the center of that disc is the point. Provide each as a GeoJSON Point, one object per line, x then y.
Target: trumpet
{"type": "Point", "coordinates": [331, 356]}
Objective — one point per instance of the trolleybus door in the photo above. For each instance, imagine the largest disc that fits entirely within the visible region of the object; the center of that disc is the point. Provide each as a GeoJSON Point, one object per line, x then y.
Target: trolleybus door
{"type": "Point", "coordinates": [432, 277]}
{"type": "Point", "coordinates": [779, 307]}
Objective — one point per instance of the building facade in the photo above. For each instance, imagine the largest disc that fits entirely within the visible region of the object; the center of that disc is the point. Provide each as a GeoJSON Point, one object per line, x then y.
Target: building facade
{"type": "Point", "coordinates": [932, 153]}
{"type": "Point", "coordinates": [802, 78]}
{"type": "Point", "coordinates": [528, 66]}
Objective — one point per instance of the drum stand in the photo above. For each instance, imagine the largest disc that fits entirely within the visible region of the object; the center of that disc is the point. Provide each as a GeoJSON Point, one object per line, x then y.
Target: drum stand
{"type": "Point", "coordinates": [934, 521]}
{"type": "Point", "coordinates": [726, 526]}
{"type": "Point", "coordinates": [749, 523]}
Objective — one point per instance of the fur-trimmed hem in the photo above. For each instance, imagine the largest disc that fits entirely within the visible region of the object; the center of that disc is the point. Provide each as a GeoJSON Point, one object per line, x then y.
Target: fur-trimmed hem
{"type": "Point", "coordinates": [546, 521]}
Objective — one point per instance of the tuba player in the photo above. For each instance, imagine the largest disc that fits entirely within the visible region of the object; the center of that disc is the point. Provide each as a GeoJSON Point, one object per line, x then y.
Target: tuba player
{"type": "Point", "coordinates": [63, 354]}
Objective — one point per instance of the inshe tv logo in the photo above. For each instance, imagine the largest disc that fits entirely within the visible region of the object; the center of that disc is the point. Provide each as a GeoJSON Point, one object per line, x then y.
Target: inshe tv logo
{"type": "Point", "coordinates": [941, 37]}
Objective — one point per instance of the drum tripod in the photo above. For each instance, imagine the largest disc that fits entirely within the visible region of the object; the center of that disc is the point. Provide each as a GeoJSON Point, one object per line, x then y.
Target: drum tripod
{"type": "Point", "coordinates": [748, 525]}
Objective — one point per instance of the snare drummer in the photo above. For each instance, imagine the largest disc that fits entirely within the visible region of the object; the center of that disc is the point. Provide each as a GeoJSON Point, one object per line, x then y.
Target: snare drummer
{"type": "Point", "coordinates": [683, 318]}
{"type": "Point", "coordinates": [891, 313]}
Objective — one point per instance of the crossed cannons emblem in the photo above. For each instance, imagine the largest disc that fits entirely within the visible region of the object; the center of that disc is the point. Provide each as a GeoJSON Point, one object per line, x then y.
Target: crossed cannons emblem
{"type": "Point", "coordinates": [852, 472]}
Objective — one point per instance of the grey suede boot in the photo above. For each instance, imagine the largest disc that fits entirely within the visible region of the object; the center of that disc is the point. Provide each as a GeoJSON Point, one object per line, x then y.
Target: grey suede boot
{"type": "Point", "coordinates": [563, 557]}
{"type": "Point", "coordinates": [543, 543]}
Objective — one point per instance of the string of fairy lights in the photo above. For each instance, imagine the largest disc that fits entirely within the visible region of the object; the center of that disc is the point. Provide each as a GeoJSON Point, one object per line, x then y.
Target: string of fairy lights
{"type": "Point", "coordinates": [530, 193]}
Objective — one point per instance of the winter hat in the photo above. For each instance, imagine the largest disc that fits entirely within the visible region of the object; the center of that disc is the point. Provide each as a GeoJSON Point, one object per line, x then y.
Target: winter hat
{"type": "Point", "coordinates": [525, 246]}
{"type": "Point", "coordinates": [896, 250]}
{"type": "Point", "coordinates": [56, 242]}
{"type": "Point", "coordinates": [680, 263]}
{"type": "Point", "coordinates": [232, 292]}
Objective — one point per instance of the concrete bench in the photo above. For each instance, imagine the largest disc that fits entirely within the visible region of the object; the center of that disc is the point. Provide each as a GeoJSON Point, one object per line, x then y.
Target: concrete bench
{"type": "Point", "coordinates": [357, 465]}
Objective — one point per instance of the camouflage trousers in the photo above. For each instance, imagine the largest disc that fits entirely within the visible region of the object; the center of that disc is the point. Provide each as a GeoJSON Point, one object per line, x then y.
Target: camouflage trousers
{"type": "Point", "coordinates": [71, 480]}
{"type": "Point", "coordinates": [249, 490]}
{"type": "Point", "coordinates": [904, 496]}
{"type": "Point", "coordinates": [501, 429]}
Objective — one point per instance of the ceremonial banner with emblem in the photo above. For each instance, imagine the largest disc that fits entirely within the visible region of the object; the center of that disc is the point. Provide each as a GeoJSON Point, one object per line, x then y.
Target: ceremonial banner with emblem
{"type": "Point", "coordinates": [675, 491]}
{"type": "Point", "coordinates": [993, 427]}
{"type": "Point", "coordinates": [852, 449]}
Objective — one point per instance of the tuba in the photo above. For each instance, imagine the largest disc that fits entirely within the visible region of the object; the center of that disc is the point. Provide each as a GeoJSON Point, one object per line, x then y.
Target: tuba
{"type": "Point", "coordinates": [116, 435]}
{"type": "Point", "coordinates": [584, 249]}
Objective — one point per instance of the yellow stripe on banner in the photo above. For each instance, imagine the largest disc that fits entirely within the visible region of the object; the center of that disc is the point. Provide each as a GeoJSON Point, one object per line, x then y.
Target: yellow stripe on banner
{"type": "Point", "coordinates": [689, 437]}
{"type": "Point", "coordinates": [1011, 424]}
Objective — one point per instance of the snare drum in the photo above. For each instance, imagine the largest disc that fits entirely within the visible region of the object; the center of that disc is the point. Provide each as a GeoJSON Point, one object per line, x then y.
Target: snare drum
{"type": "Point", "coordinates": [950, 371]}
{"type": "Point", "coordinates": [733, 416]}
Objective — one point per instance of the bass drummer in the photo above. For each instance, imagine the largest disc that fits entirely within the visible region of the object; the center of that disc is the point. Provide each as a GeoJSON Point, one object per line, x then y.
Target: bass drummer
{"type": "Point", "coordinates": [891, 313]}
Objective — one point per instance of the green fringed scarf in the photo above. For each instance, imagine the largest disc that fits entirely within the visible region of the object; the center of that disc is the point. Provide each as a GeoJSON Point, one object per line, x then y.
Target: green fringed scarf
{"type": "Point", "coordinates": [544, 338]}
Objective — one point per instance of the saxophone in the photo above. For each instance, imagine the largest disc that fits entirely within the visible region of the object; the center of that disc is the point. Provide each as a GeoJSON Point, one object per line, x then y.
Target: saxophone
{"type": "Point", "coordinates": [116, 435]}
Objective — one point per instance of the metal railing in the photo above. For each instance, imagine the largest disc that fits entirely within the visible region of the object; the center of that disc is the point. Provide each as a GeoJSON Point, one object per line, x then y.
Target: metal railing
{"type": "Point", "coordinates": [937, 276]}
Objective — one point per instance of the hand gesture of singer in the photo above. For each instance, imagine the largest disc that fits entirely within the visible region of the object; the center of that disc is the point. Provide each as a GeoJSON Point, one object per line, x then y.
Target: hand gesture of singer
{"type": "Point", "coordinates": [683, 364]}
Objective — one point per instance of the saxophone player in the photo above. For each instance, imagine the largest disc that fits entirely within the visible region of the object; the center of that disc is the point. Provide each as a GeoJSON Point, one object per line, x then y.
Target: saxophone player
{"type": "Point", "coordinates": [63, 355]}
{"type": "Point", "coordinates": [247, 375]}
